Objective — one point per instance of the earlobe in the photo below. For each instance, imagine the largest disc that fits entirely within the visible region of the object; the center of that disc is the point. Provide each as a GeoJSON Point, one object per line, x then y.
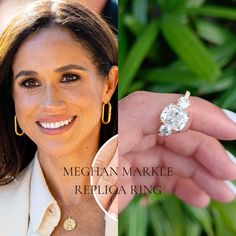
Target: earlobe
{"type": "Point", "coordinates": [111, 83]}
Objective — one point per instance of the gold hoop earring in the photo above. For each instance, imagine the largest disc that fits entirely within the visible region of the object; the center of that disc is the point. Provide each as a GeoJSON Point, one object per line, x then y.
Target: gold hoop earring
{"type": "Point", "coordinates": [105, 122]}
{"type": "Point", "coordinates": [16, 128]}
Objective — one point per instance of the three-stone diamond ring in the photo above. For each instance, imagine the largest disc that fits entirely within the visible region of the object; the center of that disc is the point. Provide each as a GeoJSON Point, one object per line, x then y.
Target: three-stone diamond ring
{"type": "Point", "coordinates": [174, 117]}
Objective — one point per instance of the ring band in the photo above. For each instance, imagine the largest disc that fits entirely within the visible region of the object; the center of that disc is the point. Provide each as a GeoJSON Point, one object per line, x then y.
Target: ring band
{"type": "Point", "coordinates": [174, 117]}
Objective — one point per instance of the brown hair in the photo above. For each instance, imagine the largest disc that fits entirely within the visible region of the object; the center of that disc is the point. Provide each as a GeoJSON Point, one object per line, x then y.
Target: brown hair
{"type": "Point", "coordinates": [87, 27]}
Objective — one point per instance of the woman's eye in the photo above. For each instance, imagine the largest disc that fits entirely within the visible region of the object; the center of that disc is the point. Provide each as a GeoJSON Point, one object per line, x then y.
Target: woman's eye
{"type": "Point", "coordinates": [30, 83]}
{"type": "Point", "coordinates": [69, 78]}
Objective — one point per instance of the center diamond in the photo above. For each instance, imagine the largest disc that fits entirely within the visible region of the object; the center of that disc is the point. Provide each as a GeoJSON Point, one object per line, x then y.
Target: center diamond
{"type": "Point", "coordinates": [174, 116]}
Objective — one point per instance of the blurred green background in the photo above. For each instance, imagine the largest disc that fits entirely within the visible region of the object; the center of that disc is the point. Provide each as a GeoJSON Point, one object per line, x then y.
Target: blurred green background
{"type": "Point", "coordinates": [172, 46]}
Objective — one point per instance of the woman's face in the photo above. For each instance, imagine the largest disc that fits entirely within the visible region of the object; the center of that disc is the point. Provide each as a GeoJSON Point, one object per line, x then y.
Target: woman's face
{"type": "Point", "coordinates": [58, 92]}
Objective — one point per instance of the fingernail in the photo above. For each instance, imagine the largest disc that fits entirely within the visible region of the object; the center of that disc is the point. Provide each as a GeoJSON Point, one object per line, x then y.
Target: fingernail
{"type": "Point", "coordinates": [231, 186]}
{"type": "Point", "coordinates": [231, 157]}
{"type": "Point", "coordinates": [230, 114]}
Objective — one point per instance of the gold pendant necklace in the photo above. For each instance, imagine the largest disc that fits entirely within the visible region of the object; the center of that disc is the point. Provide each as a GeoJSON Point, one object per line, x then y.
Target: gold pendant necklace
{"type": "Point", "coordinates": [70, 223]}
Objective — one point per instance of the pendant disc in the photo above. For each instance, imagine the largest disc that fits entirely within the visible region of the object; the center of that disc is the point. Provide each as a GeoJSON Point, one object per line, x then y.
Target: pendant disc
{"type": "Point", "coordinates": [69, 224]}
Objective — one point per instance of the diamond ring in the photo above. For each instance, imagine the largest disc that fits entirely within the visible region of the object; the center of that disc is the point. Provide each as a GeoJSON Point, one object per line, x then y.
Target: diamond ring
{"type": "Point", "coordinates": [174, 116]}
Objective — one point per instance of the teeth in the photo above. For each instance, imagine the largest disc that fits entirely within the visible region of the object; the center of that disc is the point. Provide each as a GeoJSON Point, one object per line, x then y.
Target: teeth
{"type": "Point", "coordinates": [55, 125]}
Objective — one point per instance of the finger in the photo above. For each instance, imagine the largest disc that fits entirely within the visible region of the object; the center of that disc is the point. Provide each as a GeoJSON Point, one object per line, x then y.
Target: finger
{"type": "Point", "coordinates": [108, 181]}
{"type": "Point", "coordinates": [187, 190]}
{"type": "Point", "coordinates": [188, 168]}
{"type": "Point", "coordinates": [211, 120]}
{"type": "Point", "coordinates": [140, 113]}
{"type": "Point", "coordinates": [104, 156]}
{"type": "Point", "coordinates": [183, 188]}
{"type": "Point", "coordinates": [216, 188]}
{"type": "Point", "coordinates": [106, 153]}
{"type": "Point", "coordinates": [148, 141]}
{"type": "Point", "coordinates": [209, 154]}
{"type": "Point", "coordinates": [206, 150]}
{"type": "Point", "coordinates": [185, 167]}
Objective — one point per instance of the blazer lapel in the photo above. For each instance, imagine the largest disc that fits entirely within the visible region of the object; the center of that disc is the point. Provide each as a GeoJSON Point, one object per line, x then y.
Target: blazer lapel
{"type": "Point", "coordinates": [14, 205]}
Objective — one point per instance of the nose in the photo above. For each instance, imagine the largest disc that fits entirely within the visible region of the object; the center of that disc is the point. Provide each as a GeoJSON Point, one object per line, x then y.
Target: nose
{"type": "Point", "coordinates": [52, 100]}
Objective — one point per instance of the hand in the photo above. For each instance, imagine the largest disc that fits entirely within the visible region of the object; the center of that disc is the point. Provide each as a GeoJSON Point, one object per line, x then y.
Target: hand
{"type": "Point", "coordinates": [107, 161]}
{"type": "Point", "coordinates": [200, 163]}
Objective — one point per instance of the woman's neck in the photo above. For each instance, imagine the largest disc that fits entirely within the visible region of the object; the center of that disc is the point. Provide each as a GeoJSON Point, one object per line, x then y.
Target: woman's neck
{"type": "Point", "coordinates": [63, 175]}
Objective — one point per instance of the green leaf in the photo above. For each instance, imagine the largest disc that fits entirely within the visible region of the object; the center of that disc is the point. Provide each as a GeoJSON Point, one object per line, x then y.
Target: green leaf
{"type": "Point", "coordinates": [228, 214]}
{"type": "Point", "coordinates": [227, 99]}
{"type": "Point", "coordinates": [172, 6]}
{"type": "Point", "coordinates": [214, 33]}
{"type": "Point", "coordinates": [122, 223]}
{"type": "Point", "coordinates": [122, 40]}
{"type": "Point", "coordinates": [224, 217]}
{"type": "Point", "coordinates": [136, 85]}
{"type": "Point", "coordinates": [135, 26]}
{"type": "Point", "coordinates": [220, 229]}
{"type": "Point", "coordinates": [175, 215]}
{"type": "Point", "coordinates": [139, 9]}
{"type": "Point", "coordinates": [225, 82]}
{"type": "Point", "coordinates": [160, 224]}
{"type": "Point", "coordinates": [156, 219]}
{"type": "Point", "coordinates": [223, 54]}
{"type": "Point", "coordinates": [192, 228]}
{"type": "Point", "coordinates": [137, 219]}
{"type": "Point", "coordinates": [163, 88]}
{"type": "Point", "coordinates": [136, 56]}
{"type": "Point", "coordinates": [195, 3]}
{"type": "Point", "coordinates": [190, 49]}
{"type": "Point", "coordinates": [214, 11]}
{"type": "Point", "coordinates": [203, 216]}
{"type": "Point", "coordinates": [170, 75]}
{"type": "Point", "coordinates": [154, 198]}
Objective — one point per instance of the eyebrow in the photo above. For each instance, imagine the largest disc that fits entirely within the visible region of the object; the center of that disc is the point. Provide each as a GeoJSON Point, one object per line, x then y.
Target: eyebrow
{"type": "Point", "coordinates": [25, 73]}
{"type": "Point", "coordinates": [70, 67]}
{"type": "Point", "coordinates": [61, 69]}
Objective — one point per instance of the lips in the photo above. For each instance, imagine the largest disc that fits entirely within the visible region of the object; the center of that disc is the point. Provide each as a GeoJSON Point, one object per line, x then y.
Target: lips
{"type": "Point", "coordinates": [55, 123]}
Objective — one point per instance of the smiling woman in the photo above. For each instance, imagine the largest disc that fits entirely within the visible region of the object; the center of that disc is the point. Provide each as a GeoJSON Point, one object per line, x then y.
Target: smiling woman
{"type": "Point", "coordinates": [58, 70]}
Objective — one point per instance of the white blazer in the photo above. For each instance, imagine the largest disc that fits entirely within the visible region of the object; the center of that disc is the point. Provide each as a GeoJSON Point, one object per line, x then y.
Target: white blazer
{"type": "Point", "coordinates": [14, 207]}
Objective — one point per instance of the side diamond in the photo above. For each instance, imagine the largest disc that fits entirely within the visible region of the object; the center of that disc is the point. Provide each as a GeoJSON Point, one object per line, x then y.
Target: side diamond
{"type": "Point", "coordinates": [183, 102]}
{"type": "Point", "coordinates": [165, 130]}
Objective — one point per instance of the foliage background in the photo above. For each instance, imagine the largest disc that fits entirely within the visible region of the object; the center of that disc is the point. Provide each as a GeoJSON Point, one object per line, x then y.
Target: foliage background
{"type": "Point", "coordinates": [173, 46]}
